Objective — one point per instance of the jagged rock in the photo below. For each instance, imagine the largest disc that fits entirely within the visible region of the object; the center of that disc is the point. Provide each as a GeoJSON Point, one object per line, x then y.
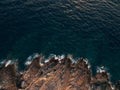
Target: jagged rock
{"type": "Point", "coordinates": [56, 73]}
{"type": "Point", "coordinates": [8, 77]}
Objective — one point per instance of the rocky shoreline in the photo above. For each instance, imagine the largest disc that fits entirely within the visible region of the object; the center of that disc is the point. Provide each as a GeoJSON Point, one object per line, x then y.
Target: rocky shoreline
{"type": "Point", "coordinates": [55, 73]}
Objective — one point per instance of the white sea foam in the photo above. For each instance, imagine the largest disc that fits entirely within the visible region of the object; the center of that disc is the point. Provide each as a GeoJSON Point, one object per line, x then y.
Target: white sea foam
{"type": "Point", "coordinates": [86, 61]}
{"type": "Point", "coordinates": [47, 60]}
{"type": "Point", "coordinates": [56, 58]}
{"type": "Point", "coordinates": [71, 58]}
{"type": "Point", "coordinates": [8, 63]}
{"type": "Point", "coordinates": [89, 66]}
{"type": "Point", "coordinates": [101, 69]}
{"type": "Point", "coordinates": [59, 57]}
{"type": "Point", "coordinates": [29, 58]}
{"type": "Point", "coordinates": [41, 64]}
{"type": "Point", "coordinates": [35, 55]}
{"type": "Point", "coordinates": [28, 62]}
{"type": "Point", "coordinates": [62, 56]}
{"type": "Point", "coordinates": [2, 62]}
{"type": "Point", "coordinates": [113, 88]}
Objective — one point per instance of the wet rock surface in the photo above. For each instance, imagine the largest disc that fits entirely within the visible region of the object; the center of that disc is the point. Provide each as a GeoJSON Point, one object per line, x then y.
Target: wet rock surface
{"type": "Point", "coordinates": [56, 73]}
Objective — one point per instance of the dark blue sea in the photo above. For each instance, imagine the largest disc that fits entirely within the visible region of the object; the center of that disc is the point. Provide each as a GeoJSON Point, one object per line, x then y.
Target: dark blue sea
{"type": "Point", "coordinates": [84, 28]}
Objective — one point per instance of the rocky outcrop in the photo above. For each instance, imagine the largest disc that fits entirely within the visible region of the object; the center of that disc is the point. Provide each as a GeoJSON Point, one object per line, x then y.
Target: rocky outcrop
{"type": "Point", "coordinates": [55, 73]}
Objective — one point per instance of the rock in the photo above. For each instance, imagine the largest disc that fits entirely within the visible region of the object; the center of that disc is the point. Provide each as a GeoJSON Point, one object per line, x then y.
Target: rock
{"type": "Point", "coordinates": [8, 77]}
{"type": "Point", "coordinates": [55, 74]}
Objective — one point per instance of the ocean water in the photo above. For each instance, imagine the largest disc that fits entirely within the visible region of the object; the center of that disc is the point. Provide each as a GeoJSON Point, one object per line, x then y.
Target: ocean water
{"type": "Point", "coordinates": [84, 28]}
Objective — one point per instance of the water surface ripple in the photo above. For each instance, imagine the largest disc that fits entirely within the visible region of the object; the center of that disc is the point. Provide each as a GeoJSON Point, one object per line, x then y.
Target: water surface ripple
{"type": "Point", "coordinates": [87, 28]}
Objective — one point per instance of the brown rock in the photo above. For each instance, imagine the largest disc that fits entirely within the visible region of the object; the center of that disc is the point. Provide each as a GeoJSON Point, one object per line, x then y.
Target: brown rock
{"type": "Point", "coordinates": [55, 75]}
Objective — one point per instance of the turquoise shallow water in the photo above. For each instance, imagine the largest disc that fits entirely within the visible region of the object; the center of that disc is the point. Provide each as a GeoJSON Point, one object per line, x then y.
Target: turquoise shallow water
{"type": "Point", "coordinates": [84, 28]}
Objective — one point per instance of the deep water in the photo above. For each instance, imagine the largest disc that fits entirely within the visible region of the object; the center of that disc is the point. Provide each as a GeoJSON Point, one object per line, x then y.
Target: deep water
{"type": "Point", "coordinates": [84, 28]}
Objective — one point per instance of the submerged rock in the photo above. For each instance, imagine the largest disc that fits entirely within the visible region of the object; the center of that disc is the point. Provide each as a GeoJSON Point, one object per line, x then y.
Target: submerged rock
{"type": "Point", "coordinates": [55, 74]}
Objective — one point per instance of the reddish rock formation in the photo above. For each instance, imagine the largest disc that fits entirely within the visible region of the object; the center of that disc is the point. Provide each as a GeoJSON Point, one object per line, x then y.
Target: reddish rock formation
{"type": "Point", "coordinates": [56, 73]}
